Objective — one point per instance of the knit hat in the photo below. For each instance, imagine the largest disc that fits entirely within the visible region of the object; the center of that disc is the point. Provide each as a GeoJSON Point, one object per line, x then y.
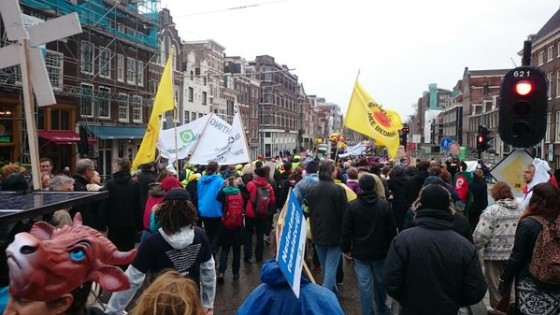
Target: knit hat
{"type": "Point", "coordinates": [432, 180]}
{"type": "Point", "coordinates": [367, 182]}
{"type": "Point", "coordinates": [170, 183]}
{"type": "Point", "coordinates": [435, 197]}
{"type": "Point", "coordinates": [311, 167]}
{"type": "Point", "coordinates": [261, 172]}
{"type": "Point", "coordinates": [177, 194]}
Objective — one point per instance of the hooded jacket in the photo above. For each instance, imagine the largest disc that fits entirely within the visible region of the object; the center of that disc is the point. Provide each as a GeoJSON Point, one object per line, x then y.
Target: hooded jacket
{"type": "Point", "coordinates": [495, 232]}
{"type": "Point", "coordinates": [275, 297]}
{"type": "Point", "coordinates": [208, 188]}
{"type": "Point", "coordinates": [161, 251]}
{"type": "Point", "coordinates": [252, 188]}
{"type": "Point", "coordinates": [430, 269]}
{"type": "Point", "coordinates": [368, 228]}
{"type": "Point", "coordinates": [156, 194]}
{"type": "Point", "coordinates": [541, 176]}
{"type": "Point", "coordinates": [327, 203]}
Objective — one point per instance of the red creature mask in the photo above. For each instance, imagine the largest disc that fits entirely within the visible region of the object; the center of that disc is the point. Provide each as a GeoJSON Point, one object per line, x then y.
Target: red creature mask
{"type": "Point", "coordinates": [47, 263]}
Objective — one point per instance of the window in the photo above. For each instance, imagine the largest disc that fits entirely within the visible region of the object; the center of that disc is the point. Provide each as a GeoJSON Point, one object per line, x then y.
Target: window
{"type": "Point", "coordinates": [549, 54]}
{"type": "Point", "coordinates": [558, 83]}
{"type": "Point", "coordinates": [104, 62]}
{"type": "Point", "coordinates": [186, 116]}
{"type": "Point", "coordinates": [558, 53]}
{"type": "Point", "coordinates": [60, 119]}
{"type": "Point", "coordinates": [54, 62]}
{"type": "Point", "coordinates": [204, 97]}
{"type": "Point", "coordinates": [130, 70]}
{"type": "Point", "coordinates": [541, 58]}
{"type": "Point", "coordinates": [191, 94]}
{"type": "Point", "coordinates": [122, 100]}
{"type": "Point", "coordinates": [120, 68]}
{"type": "Point", "coordinates": [549, 79]}
{"type": "Point", "coordinates": [140, 74]}
{"type": "Point", "coordinates": [104, 102]}
{"type": "Point", "coordinates": [548, 126]}
{"type": "Point", "coordinates": [86, 57]}
{"type": "Point", "coordinates": [557, 129]}
{"type": "Point", "coordinates": [193, 116]}
{"type": "Point", "coordinates": [86, 100]}
{"type": "Point", "coordinates": [137, 108]}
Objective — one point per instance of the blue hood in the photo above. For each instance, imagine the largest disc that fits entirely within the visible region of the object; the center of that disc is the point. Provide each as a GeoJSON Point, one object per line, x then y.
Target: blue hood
{"type": "Point", "coordinates": [208, 189]}
{"type": "Point", "coordinates": [271, 274]}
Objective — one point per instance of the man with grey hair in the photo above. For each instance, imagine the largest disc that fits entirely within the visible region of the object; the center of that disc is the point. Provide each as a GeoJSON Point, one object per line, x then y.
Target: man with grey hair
{"type": "Point", "coordinates": [60, 217]}
{"type": "Point", "coordinates": [85, 169]}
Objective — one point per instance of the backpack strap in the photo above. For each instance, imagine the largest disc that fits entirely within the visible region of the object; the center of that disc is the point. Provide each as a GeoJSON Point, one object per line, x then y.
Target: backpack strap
{"type": "Point", "coordinates": [540, 219]}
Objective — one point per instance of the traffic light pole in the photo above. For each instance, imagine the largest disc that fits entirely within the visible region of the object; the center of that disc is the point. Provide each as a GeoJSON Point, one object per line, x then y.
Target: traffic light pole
{"type": "Point", "coordinates": [527, 47]}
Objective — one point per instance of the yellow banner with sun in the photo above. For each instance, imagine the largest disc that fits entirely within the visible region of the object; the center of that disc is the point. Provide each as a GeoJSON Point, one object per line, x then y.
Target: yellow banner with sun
{"type": "Point", "coordinates": [368, 117]}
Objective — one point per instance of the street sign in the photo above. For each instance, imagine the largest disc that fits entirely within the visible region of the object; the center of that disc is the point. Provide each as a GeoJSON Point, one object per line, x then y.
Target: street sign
{"type": "Point", "coordinates": [292, 243]}
{"type": "Point", "coordinates": [510, 170]}
{"type": "Point", "coordinates": [446, 144]}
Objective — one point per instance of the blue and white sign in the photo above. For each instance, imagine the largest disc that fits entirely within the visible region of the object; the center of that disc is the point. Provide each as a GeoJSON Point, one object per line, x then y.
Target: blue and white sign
{"type": "Point", "coordinates": [446, 144]}
{"type": "Point", "coordinates": [292, 244]}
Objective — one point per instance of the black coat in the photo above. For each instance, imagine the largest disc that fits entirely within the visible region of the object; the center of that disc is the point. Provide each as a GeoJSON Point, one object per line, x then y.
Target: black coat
{"type": "Point", "coordinates": [400, 204]}
{"type": "Point", "coordinates": [414, 185]}
{"type": "Point", "coordinates": [327, 203]}
{"type": "Point", "coordinates": [430, 269]}
{"type": "Point", "coordinates": [368, 228]}
{"type": "Point", "coordinates": [123, 209]}
{"type": "Point", "coordinates": [89, 216]}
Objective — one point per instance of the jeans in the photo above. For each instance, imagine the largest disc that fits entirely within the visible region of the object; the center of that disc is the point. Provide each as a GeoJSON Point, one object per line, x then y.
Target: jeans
{"type": "Point", "coordinates": [236, 261]}
{"type": "Point", "coordinates": [258, 225]}
{"type": "Point", "coordinates": [329, 256]}
{"type": "Point", "coordinates": [370, 281]}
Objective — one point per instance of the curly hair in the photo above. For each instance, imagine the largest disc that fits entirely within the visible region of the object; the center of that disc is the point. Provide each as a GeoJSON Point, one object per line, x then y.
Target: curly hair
{"type": "Point", "coordinates": [544, 202]}
{"type": "Point", "coordinates": [173, 215]}
{"type": "Point", "coordinates": [170, 294]}
{"type": "Point", "coordinates": [501, 190]}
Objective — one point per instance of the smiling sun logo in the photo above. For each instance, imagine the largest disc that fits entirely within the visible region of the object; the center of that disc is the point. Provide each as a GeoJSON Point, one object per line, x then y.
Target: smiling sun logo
{"type": "Point", "coordinates": [377, 114]}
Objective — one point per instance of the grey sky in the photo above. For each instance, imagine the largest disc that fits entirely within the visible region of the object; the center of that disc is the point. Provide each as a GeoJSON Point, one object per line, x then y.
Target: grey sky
{"type": "Point", "coordinates": [399, 46]}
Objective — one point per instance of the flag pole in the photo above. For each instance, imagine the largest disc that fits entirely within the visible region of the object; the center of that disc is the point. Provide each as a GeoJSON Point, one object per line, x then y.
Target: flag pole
{"type": "Point", "coordinates": [243, 129]}
{"type": "Point", "coordinates": [175, 118]}
{"type": "Point", "coordinates": [343, 123]}
{"type": "Point", "coordinates": [201, 135]}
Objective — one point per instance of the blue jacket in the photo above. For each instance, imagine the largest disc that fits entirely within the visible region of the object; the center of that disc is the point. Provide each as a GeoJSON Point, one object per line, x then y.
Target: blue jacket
{"type": "Point", "coordinates": [208, 188]}
{"type": "Point", "coordinates": [275, 297]}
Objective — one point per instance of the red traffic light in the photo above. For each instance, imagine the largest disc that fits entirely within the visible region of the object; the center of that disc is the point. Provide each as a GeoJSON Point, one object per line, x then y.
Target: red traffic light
{"type": "Point", "coordinates": [405, 130]}
{"type": "Point", "coordinates": [523, 87]}
{"type": "Point", "coordinates": [481, 139]}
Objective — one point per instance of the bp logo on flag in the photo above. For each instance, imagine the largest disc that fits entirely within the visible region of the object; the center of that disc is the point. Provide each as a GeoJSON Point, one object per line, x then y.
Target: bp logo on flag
{"type": "Point", "coordinates": [187, 136]}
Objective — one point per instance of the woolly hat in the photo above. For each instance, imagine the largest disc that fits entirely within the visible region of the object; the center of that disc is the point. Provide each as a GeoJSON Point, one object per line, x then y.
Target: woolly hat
{"type": "Point", "coordinates": [432, 180]}
{"type": "Point", "coordinates": [311, 167]}
{"type": "Point", "coordinates": [170, 183]}
{"type": "Point", "coordinates": [435, 197]}
{"type": "Point", "coordinates": [177, 194]}
{"type": "Point", "coordinates": [261, 172]}
{"type": "Point", "coordinates": [367, 182]}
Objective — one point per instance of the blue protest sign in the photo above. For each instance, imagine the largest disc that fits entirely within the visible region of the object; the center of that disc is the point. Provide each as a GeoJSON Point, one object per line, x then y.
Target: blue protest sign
{"type": "Point", "coordinates": [292, 243]}
{"type": "Point", "coordinates": [446, 144]}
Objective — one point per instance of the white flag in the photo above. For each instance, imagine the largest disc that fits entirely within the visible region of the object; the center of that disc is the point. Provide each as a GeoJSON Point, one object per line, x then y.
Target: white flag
{"type": "Point", "coordinates": [358, 149]}
{"type": "Point", "coordinates": [187, 137]}
{"type": "Point", "coordinates": [221, 143]}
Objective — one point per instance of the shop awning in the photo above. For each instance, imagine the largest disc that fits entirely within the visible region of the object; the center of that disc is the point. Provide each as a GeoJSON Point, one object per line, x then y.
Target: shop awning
{"type": "Point", "coordinates": [61, 137]}
{"type": "Point", "coordinates": [105, 132]}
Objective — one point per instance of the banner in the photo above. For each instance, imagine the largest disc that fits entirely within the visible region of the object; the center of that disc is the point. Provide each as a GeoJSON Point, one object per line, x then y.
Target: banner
{"type": "Point", "coordinates": [222, 143]}
{"type": "Point", "coordinates": [291, 247]}
{"type": "Point", "coordinates": [187, 137]}
{"type": "Point", "coordinates": [367, 117]}
{"type": "Point", "coordinates": [358, 149]}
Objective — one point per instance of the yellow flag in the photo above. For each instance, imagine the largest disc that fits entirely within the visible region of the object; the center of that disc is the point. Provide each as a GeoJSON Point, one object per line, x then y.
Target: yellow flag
{"type": "Point", "coordinates": [367, 117]}
{"type": "Point", "coordinates": [164, 102]}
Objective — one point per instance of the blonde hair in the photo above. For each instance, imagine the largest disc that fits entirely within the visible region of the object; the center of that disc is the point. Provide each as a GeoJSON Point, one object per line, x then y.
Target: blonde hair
{"type": "Point", "coordinates": [170, 294]}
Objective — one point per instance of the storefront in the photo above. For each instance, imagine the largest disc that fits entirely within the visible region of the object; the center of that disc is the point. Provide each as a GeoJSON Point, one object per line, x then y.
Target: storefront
{"type": "Point", "coordinates": [10, 128]}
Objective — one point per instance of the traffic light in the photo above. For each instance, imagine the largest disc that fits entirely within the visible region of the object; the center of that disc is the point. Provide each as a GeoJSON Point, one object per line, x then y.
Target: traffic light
{"type": "Point", "coordinates": [481, 142]}
{"type": "Point", "coordinates": [404, 136]}
{"type": "Point", "coordinates": [523, 107]}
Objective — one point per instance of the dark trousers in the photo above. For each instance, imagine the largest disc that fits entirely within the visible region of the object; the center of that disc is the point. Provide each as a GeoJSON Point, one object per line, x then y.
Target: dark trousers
{"type": "Point", "coordinates": [123, 238]}
{"type": "Point", "coordinates": [258, 225]}
{"type": "Point", "coordinates": [212, 227]}
{"type": "Point", "coordinates": [236, 261]}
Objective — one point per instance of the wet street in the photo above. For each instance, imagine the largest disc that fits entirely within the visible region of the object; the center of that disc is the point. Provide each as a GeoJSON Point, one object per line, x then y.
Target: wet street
{"type": "Point", "coordinates": [231, 294]}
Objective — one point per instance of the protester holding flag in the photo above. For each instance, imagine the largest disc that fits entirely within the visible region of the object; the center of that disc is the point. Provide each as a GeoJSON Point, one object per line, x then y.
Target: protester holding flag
{"type": "Point", "coordinates": [209, 208]}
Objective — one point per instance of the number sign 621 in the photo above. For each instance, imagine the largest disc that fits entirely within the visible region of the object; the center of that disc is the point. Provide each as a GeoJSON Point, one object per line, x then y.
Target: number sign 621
{"type": "Point", "coordinates": [522, 73]}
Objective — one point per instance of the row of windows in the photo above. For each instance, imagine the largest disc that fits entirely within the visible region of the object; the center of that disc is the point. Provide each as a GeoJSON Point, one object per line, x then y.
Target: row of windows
{"type": "Point", "coordinates": [191, 116]}
{"type": "Point", "coordinates": [132, 73]}
{"type": "Point", "coordinates": [203, 96]}
{"type": "Point", "coordinates": [549, 54]}
{"type": "Point", "coordinates": [548, 136]}
{"type": "Point", "coordinates": [99, 104]}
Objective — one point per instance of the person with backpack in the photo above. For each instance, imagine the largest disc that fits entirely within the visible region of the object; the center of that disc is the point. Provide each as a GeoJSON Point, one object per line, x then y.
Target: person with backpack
{"type": "Point", "coordinates": [233, 198]}
{"type": "Point", "coordinates": [534, 262]}
{"type": "Point", "coordinates": [261, 198]}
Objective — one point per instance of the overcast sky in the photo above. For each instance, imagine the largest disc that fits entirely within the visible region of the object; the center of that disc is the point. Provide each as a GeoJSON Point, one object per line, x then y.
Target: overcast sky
{"type": "Point", "coordinates": [399, 46]}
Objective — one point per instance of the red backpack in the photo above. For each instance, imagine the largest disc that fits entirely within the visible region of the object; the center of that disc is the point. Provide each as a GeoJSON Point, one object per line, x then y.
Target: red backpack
{"type": "Point", "coordinates": [262, 201]}
{"type": "Point", "coordinates": [233, 215]}
{"type": "Point", "coordinates": [545, 264]}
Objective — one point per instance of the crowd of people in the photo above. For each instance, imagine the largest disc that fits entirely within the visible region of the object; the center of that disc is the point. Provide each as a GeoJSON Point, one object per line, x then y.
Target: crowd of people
{"type": "Point", "coordinates": [411, 235]}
